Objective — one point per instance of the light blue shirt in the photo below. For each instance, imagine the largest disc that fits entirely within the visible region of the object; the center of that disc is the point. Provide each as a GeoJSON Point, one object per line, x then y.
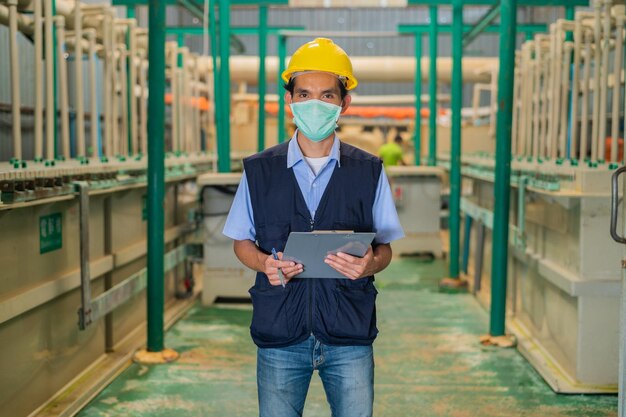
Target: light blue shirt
{"type": "Point", "coordinates": [240, 222]}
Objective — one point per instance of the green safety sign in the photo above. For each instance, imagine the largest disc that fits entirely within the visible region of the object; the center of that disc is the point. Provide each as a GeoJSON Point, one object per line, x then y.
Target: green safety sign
{"type": "Point", "coordinates": [50, 232]}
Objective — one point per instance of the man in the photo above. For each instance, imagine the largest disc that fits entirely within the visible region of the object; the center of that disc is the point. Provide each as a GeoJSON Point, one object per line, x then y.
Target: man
{"type": "Point", "coordinates": [391, 153]}
{"type": "Point", "coordinates": [313, 182]}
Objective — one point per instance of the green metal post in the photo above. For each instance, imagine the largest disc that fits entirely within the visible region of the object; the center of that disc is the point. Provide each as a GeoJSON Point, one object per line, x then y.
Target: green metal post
{"type": "Point", "coordinates": [570, 14]}
{"type": "Point", "coordinates": [417, 141]}
{"type": "Point", "coordinates": [455, 148]}
{"type": "Point", "coordinates": [262, 83]}
{"type": "Point", "coordinates": [503, 167]}
{"type": "Point", "coordinates": [156, 172]}
{"type": "Point", "coordinates": [55, 78]}
{"type": "Point", "coordinates": [530, 35]}
{"type": "Point", "coordinates": [216, 72]}
{"type": "Point", "coordinates": [180, 39]}
{"type": "Point", "coordinates": [282, 53]}
{"type": "Point", "coordinates": [223, 144]}
{"type": "Point", "coordinates": [481, 25]}
{"type": "Point", "coordinates": [432, 86]}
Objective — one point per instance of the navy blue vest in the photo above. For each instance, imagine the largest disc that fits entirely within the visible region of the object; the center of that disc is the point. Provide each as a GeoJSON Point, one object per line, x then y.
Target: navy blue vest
{"type": "Point", "coordinates": [336, 311]}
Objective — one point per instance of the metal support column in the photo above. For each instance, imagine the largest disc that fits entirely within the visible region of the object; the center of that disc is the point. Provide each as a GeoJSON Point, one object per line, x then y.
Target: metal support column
{"type": "Point", "coordinates": [455, 149]}
{"type": "Point", "coordinates": [223, 145]}
{"type": "Point", "coordinates": [282, 52]}
{"type": "Point", "coordinates": [417, 140]}
{"type": "Point", "coordinates": [570, 14]}
{"type": "Point", "coordinates": [432, 86]}
{"type": "Point", "coordinates": [262, 80]}
{"type": "Point", "coordinates": [156, 173]}
{"type": "Point", "coordinates": [216, 72]}
{"type": "Point", "coordinates": [508, 33]}
{"type": "Point", "coordinates": [84, 314]}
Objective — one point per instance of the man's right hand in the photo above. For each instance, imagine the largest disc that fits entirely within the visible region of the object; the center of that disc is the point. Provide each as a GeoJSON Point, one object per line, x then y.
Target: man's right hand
{"type": "Point", "coordinates": [288, 268]}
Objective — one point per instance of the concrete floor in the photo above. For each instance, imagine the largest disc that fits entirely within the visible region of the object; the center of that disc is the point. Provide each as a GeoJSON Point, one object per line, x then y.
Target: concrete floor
{"type": "Point", "coordinates": [428, 363]}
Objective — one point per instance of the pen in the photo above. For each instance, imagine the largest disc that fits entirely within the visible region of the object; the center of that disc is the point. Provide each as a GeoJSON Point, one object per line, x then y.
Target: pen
{"type": "Point", "coordinates": [280, 273]}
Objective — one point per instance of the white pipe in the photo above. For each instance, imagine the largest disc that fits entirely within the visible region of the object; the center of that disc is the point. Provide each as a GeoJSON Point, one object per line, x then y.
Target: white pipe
{"type": "Point", "coordinates": [184, 102]}
{"type": "Point", "coordinates": [38, 80]}
{"type": "Point", "coordinates": [124, 99]}
{"type": "Point", "coordinates": [78, 80]}
{"type": "Point", "coordinates": [196, 94]}
{"type": "Point", "coordinates": [542, 43]}
{"type": "Point", "coordinates": [584, 120]}
{"type": "Point", "coordinates": [617, 77]}
{"type": "Point", "coordinates": [527, 101]}
{"type": "Point", "coordinates": [128, 26]}
{"type": "Point", "coordinates": [191, 102]}
{"type": "Point", "coordinates": [63, 93]}
{"type": "Point", "coordinates": [597, 35]}
{"type": "Point", "coordinates": [515, 122]}
{"type": "Point", "coordinates": [604, 84]}
{"type": "Point", "coordinates": [179, 110]}
{"type": "Point", "coordinates": [537, 97]}
{"type": "Point", "coordinates": [132, 41]}
{"type": "Point", "coordinates": [50, 115]}
{"type": "Point", "coordinates": [115, 128]}
{"type": "Point", "coordinates": [521, 127]}
{"type": "Point", "coordinates": [24, 22]}
{"type": "Point", "coordinates": [578, 41]}
{"type": "Point", "coordinates": [93, 94]}
{"type": "Point", "coordinates": [108, 85]}
{"type": "Point", "coordinates": [15, 81]}
{"type": "Point", "coordinates": [180, 72]}
{"type": "Point", "coordinates": [566, 58]}
{"type": "Point", "coordinates": [366, 68]}
{"type": "Point", "coordinates": [551, 73]}
{"type": "Point", "coordinates": [478, 88]}
{"type": "Point", "coordinates": [559, 93]}
{"type": "Point", "coordinates": [143, 108]}
{"type": "Point", "coordinates": [545, 109]}
{"type": "Point", "coordinates": [558, 84]}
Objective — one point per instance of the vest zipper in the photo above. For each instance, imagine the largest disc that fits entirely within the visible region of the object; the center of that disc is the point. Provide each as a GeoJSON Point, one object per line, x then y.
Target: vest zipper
{"type": "Point", "coordinates": [311, 289]}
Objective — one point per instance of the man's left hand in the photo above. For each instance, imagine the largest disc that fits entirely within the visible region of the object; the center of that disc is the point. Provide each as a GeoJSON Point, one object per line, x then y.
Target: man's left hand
{"type": "Point", "coordinates": [351, 266]}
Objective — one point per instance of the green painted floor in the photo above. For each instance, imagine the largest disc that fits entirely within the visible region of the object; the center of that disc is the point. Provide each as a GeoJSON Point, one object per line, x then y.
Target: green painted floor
{"type": "Point", "coordinates": [428, 363]}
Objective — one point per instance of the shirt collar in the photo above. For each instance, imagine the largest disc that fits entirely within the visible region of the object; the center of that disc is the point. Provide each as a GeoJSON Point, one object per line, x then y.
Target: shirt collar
{"type": "Point", "coordinates": [294, 153]}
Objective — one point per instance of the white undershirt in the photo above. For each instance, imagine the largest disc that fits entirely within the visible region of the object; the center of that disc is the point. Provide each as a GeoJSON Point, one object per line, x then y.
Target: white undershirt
{"type": "Point", "coordinates": [316, 163]}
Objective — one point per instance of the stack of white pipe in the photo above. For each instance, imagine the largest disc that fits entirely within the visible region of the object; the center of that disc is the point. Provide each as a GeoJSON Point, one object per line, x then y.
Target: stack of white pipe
{"type": "Point", "coordinates": [562, 110]}
{"type": "Point", "coordinates": [93, 29]}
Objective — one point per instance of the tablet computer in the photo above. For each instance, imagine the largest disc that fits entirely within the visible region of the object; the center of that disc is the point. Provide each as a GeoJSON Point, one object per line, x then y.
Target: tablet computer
{"type": "Point", "coordinates": [311, 248]}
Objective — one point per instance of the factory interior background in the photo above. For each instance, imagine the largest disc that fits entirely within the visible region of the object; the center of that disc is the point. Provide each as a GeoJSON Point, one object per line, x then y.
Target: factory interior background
{"type": "Point", "coordinates": [123, 126]}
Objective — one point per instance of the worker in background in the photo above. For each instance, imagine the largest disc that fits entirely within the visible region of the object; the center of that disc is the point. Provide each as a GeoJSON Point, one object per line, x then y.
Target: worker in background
{"type": "Point", "coordinates": [313, 182]}
{"type": "Point", "coordinates": [391, 153]}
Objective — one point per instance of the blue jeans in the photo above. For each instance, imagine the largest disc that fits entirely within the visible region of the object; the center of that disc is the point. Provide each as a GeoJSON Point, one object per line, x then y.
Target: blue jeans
{"type": "Point", "coordinates": [284, 374]}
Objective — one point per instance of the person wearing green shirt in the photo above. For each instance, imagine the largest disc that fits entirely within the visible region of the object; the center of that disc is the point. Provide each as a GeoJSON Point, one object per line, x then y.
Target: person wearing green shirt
{"type": "Point", "coordinates": [391, 153]}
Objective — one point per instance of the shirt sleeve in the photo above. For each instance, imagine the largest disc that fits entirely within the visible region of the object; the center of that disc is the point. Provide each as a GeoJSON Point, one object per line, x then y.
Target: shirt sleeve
{"type": "Point", "coordinates": [240, 221]}
{"type": "Point", "coordinates": [386, 222]}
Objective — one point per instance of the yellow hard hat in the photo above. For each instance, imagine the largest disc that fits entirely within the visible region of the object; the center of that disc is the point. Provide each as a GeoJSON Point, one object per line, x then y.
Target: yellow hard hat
{"type": "Point", "coordinates": [321, 54]}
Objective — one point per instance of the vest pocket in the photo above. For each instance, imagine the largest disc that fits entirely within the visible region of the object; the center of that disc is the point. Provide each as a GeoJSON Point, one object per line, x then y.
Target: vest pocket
{"type": "Point", "coordinates": [273, 235]}
{"type": "Point", "coordinates": [356, 311]}
{"type": "Point", "coordinates": [269, 314]}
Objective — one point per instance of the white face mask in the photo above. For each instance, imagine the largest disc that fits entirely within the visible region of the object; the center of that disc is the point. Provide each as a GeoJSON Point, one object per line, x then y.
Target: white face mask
{"type": "Point", "coordinates": [316, 119]}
